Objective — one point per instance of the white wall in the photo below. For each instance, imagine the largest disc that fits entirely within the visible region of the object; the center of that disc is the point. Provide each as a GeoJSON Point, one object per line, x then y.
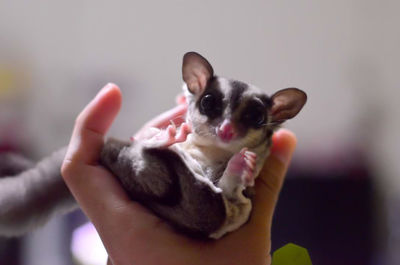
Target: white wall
{"type": "Point", "coordinates": [343, 53]}
{"type": "Point", "coordinates": [335, 51]}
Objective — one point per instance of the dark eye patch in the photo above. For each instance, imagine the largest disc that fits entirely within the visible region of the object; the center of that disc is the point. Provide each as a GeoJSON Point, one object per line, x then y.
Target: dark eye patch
{"type": "Point", "coordinates": [211, 103]}
{"type": "Point", "coordinates": [254, 114]}
{"type": "Point", "coordinates": [238, 88]}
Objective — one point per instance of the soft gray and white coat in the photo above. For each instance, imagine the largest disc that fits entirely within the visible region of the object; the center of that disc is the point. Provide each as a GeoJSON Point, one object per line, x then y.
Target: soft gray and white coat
{"type": "Point", "coordinates": [197, 177]}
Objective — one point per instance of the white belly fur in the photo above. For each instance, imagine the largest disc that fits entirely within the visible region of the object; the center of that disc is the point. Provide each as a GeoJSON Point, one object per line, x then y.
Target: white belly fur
{"type": "Point", "coordinates": [238, 211]}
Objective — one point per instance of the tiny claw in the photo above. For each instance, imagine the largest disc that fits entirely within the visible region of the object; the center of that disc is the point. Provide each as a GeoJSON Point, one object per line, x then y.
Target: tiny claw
{"type": "Point", "coordinates": [250, 154]}
{"type": "Point", "coordinates": [184, 130]}
{"type": "Point", "coordinates": [243, 151]}
{"type": "Point", "coordinates": [249, 163]}
{"type": "Point", "coordinates": [249, 158]}
{"type": "Point", "coordinates": [171, 129]}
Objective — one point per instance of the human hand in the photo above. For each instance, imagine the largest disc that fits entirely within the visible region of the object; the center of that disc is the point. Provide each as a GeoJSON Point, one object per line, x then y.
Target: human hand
{"type": "Point", "coordinates": [130, 233]}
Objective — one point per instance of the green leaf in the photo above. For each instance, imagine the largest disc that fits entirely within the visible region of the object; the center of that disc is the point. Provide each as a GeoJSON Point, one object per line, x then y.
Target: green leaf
{"type": "Point", "coordinates": [291, 254]}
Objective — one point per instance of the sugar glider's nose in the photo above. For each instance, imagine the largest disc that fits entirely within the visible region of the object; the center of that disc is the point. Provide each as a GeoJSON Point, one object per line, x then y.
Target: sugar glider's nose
{"type": "Point", "coordinates": [225, 131]}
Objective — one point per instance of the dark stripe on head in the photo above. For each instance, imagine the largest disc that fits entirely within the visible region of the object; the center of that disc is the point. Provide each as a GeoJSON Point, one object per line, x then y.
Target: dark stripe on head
{"type": "Point", "coordinates": [266, 100]}
{"type": "Point", "coordinates": [238, 89]}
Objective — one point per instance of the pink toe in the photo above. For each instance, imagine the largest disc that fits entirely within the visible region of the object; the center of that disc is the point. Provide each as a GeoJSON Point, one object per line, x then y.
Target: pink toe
{"type": "Point", "coordinates": [243, 151]}
{"type": "Point", "coordinates": [250, 154]}
{"type": "Point", "coordinates": [171, 130]}
{"type": "Point", "coordinates": [251, 159]}
{"type": "Point", "coordinates": [181, 137]}
{"type": "Point", "coordinates": [188, 128]}
{"type": "Point", "coordinates": [249, 163]}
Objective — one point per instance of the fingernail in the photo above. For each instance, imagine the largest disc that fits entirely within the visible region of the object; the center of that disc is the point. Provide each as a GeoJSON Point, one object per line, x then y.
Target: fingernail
{"type": "Point", "coordinates": [180, 99]}
{"type": "Point", "coordinates": [284, 143]}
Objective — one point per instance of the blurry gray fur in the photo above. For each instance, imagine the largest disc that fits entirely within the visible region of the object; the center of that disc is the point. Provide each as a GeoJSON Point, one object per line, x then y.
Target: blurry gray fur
{"type": "Point", "coordinates": [187, 184]}
{"type": "Point", "coordinates": [12, 164]}
{"type": "Point", "coordinates": [29, 198]}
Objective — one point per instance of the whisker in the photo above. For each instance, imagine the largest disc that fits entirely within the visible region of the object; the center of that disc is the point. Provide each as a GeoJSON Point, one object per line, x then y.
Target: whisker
{"type": "Point", "coordinates": [269, 124]}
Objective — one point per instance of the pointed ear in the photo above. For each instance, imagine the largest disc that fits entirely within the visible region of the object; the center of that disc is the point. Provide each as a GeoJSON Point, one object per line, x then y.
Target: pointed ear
{"type": "Point", "coordinates": [196, 71]}
{"type": "Point", "coordinates": [286, 103]}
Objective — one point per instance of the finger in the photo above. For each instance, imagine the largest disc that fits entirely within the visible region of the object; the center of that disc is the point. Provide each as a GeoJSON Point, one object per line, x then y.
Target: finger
{"type": "Point", "coordinates": [176, 114]}
{"type": "Point", "coordinates": [92, 124]}
{"type": "Point", "coordinates": [180, 99]}
{"type": "Point", "coordinates": [98, 191]}
{"type": "Point", "coordinates": [269, 183]}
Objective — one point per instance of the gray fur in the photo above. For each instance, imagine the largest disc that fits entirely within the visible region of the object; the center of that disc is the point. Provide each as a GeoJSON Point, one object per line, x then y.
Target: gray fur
{"type": "Point", "coordinates": [12, 164]}
{"type": "Point", "coordinates": [187, 184]}
{"type": "Point", "coordinates": [29, 199]}
{"type": "Point", "coordinates": [166, 186]}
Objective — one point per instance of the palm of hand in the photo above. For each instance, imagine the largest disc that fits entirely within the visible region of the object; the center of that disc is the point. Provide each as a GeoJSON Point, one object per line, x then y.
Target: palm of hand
{"type": "Point", "coordinates": [133, 235]}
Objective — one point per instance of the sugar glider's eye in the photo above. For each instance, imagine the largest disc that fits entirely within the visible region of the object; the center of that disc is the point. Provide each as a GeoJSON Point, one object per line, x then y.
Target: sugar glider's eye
{"type": "Point", "coordinates": [207, 102]}
{"type": "Point", "coordinates": [254, 115]}
{"type": "Point", "coordinates": [211, 105]}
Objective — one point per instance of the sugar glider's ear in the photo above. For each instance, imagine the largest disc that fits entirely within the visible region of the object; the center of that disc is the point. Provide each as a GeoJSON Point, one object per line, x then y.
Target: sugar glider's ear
{"type": "Point", "coordinates": [286, 103]}
{"type": "Point", "coordinates": [196, 71]}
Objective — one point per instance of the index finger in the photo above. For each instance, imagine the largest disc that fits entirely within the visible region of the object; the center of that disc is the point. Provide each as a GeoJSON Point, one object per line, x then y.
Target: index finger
{"type": "Point", "coordinates": [269, 183]}
{"type": "Point", "coordinates": [92, 124]}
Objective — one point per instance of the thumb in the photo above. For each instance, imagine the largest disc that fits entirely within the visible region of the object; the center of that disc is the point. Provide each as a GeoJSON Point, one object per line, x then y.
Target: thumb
{"type": "Point", "coordinates": [92, 124]}
{"type": "Point", "coordinates": [269, 183]}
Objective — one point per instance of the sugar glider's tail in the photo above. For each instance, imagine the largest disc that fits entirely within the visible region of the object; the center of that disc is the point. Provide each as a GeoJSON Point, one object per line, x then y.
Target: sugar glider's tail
{"type": "Point", "coordinates": [30, 194]}
{"type": "Point", "coordinates": [12, 164]}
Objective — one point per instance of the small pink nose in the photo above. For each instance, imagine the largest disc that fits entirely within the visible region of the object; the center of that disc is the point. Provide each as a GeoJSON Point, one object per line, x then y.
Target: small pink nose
{"type": "Point", "coordinates": [226, 132]}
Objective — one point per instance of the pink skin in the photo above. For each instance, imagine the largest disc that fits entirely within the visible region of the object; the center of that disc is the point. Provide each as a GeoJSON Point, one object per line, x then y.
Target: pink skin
{"type": "Point", "coordinates": [161, 122]}
{"type": "Point", "coordinates": [177, 115]}
{"type": "Point", "coordinates": [130, 232]}
{"type": "Point", "coordinates": [226, 132]}
{"type": "Point", "coordinates": [164, 138]}
{"type": "Point", "coordinates": [243, 165]}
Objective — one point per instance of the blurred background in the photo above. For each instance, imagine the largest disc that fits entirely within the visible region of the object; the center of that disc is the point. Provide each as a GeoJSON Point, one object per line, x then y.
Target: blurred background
{"type": "Point", "coordinates": [341, 199]}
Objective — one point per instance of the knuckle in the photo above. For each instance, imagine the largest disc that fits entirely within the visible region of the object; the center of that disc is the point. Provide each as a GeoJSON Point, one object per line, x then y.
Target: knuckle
{"type": "Point", "coordinates": [78, 120]}
{"type": "Point", "coordinates": [67, 169]}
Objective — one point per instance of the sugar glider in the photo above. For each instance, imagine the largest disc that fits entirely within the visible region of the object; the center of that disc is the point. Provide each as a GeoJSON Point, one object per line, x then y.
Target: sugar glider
{"type": "Point", "coordinates": [196, 177]}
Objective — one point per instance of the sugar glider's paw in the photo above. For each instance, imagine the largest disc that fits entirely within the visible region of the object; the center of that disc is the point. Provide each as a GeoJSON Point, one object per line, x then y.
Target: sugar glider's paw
{"type": "Point", "coordinates": [249, 172]}
{"type": "Point", "coordinates": [242, 165]}
{"type": "Point", "coordinates": [146, 134]}
{"type": "Point", "coordinates": [156, 138]}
